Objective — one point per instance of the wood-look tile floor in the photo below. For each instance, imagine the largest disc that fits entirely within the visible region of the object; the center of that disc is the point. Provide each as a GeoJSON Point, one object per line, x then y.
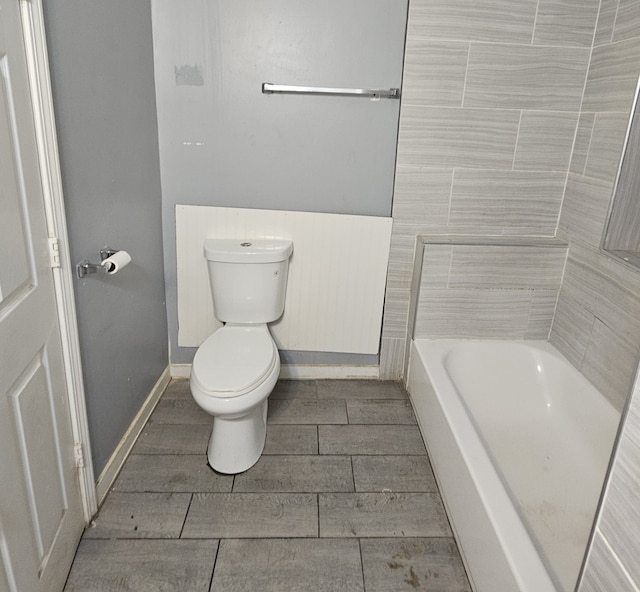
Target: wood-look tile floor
{"type": "Point", "coordinates": [342, 500]}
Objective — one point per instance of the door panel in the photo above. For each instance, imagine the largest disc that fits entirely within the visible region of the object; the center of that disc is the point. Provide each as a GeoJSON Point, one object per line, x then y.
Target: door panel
{"type": "Point", "coordinates": [41, 516]}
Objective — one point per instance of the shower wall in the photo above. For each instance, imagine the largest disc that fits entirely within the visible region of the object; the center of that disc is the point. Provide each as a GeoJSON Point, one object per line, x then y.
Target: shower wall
{"type": "Point", "coordinates": [597, 322]}
{"type": "Point", "coordinates": [491, 100]}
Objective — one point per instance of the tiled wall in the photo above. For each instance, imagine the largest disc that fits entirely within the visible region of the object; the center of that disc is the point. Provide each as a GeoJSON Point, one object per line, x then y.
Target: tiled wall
{"type": "Point", "coordinates": [597, 324]}
{"type": "Point", "coordinates": [491, 291]}
{"type": "Point", "coordinates": [491, 100]}
{"type": "Point", "coordinates": [612, 563]}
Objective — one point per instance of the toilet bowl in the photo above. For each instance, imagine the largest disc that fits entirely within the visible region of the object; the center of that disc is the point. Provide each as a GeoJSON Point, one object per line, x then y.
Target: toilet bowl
{"type": "Point", "coordinates": [233, 373]}
{"type": "Point", "coordinates": [236, 368]}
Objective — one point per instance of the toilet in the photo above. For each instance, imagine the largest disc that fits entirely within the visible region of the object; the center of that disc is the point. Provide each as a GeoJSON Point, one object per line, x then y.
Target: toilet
{"type": "Point", "coordinates": [236, 368]}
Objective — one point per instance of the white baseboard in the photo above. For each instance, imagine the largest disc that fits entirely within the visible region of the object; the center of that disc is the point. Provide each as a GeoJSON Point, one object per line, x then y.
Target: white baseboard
{"type": "Point", "coordinates": [317, 372]}
{"type": "Point", "coordinates": [180, 370]}
{"type": "Point", "coordinates": [111, 470]}
{"type": "Point", "coordinates": [304, 372]}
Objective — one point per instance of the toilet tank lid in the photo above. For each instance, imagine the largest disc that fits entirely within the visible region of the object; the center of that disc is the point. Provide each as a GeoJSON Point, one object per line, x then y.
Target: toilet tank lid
{"type": "Point", "coordinates": [262, 250]}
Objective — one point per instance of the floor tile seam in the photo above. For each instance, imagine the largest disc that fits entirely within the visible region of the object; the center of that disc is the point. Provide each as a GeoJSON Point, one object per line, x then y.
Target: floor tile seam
{"type": "Point", "coordinates": [184, 521]}
{"type": "Point", "coordinates": [364, 588]}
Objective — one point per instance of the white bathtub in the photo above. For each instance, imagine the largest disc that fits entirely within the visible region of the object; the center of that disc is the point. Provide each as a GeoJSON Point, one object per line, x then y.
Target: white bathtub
{"type": "Point", "coordinates": [520, 442]}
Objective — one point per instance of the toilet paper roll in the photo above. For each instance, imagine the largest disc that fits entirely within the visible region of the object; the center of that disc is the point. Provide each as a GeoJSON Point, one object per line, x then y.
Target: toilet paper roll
{"type": "Point", "coordinates": [116, 262]}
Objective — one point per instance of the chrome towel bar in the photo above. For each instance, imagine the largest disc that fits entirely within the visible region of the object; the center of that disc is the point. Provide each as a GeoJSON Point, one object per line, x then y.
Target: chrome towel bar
{"type": "Point", "coordinates": [374, 93]}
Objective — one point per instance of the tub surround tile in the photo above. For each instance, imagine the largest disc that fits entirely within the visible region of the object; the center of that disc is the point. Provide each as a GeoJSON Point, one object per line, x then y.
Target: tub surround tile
{"type": "Point", "coordinates": [285, 565]}
{"type": "Point", "coordinates": [392, 565]}
{"type": "Point", "coordinates": [302, 411]}
{"type": "Point", "coordinates": [291, 439]}
{"type": "Point", "coordinates": [506, 267]}
{"type": "Point", "coordinates": [140, 515]}
{"type": "Point", "coordinates": [605, 149]}
{"type": "Point", "coordinates": [396, 312]}
{"type": "Point", "coordinates": [365, 439]}
{"type": "Point", "coordinates": [620, 511]}
{"type": "Point", "coordinates": [584, 209]}
{"type": "Point", "coordinates": [613, 76]}
{"type": "Point", "coordinates": [252, 515]}
{"type": "Point", "coordinates": [171, 473]}
{"type": "Point", "coordinates": [382, 515]}
{"type": "Point", "coordinates": [545, 140]}
{"type": "Point", "coordinates": [434, 72]}
{"type": "Point", "coordinates": [604, 571]}
{"type": "Point", "coordinates": [504, 21]}
{"type": "Point", "coordinates": [421, 197]}
{"type": "Point", "coordinates": [566, 22]}
{"type": "Point", "coordinates": [297, 474]}
{"type": "Point", "coordinates": [582, 143]}
{"type": "Point", "coordinates": [507, 200]}
{"type": "Point", "coordinates": [606, 22]}
{"type": "Point", "coordinates": [571, 327]}
{"type": "Point", "coordinates": [142, 565]}
{"type": "Point", "coordinates": [436, 266]}
{"type": "Point", "coordinates": [393, 474]}
{"type": "Point", "coordinates": [473, 314]}
{"type": "Point", "coordinates": [380, 412]}
{"type": "Point", "coordinates": [447, 137]}
{"type": "Point", "coordinates": [541, 314]}
{"type": "Point", "coordinates": [610, 363]}
{"type": "Point", "coordinates": [525, 77]}
{"type": "Point", "coordinates": [627, 20]}
{"type": "Point", "coordinates": [392, 358]}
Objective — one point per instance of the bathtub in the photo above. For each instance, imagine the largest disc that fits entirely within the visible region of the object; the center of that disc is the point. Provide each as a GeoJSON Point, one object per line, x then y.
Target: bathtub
{"type": "Point", "coordinates": [520, 443]}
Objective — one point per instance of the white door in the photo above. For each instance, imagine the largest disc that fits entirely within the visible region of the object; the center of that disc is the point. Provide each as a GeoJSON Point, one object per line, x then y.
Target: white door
{"type": "Point", "coordinates": [41, 516]}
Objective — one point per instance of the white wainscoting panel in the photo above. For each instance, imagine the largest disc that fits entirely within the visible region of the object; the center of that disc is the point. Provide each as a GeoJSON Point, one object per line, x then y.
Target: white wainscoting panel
{"type": "Point", "coordinates": [337, 273]}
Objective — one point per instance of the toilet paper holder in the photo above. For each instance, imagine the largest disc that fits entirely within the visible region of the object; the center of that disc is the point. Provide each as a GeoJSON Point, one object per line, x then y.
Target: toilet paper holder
{"type": "Point", "coordinates": [86, 267]}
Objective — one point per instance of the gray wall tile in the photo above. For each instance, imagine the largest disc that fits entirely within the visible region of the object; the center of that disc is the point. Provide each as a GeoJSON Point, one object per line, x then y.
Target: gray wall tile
{"type": "Point", "coordinates": [566, 22]}
{"type": "Point", "coordinates": [612, 78]}
{"type": "Point", "coordinates": [582, 142]}
{"type": "Point", "coordinates": [609, 363]}
{"type": "Point", "coordinates": [545, 140]}
{"type": "Point", "coordinates": [505, 21]}
{"type": "Point", "coordinates": [609, 130]}
{"type": "Point", "coordinates": [604, 571]}
{"type": "Point", "coordinates": [525, 77]}
{"type": "Point", "coordinates": [441, 137]}
{"type": "Point", "coordinates": [506, 267]}
{"type": "Point", "coordinates": [606, 22]}
{"type": "Point", "coordinates": [541, 313]}
{"type": "Point", "coordinates": [436, 264]}
{"type": "Point", "coordinates": [584, 209]}
{"type": "Point", "coordinates": [627, 20]}
{"type": "Point", "coordinates": [473, 314]}
{"type": "Point", "coordinates": [507, 199]}
{"type": "Point", "coordinates": [434, 72]}
{"type": "Point", "coordinates": [392, 358]}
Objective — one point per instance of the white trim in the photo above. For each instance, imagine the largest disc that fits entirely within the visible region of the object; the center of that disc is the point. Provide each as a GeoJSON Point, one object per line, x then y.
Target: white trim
{"type": "Point", "coordinates": [120, 454]}
{"type": "Point", "coordinates": [180, 370]}
{"type": "Point", "coordinates": [303, 372]}
{"type": "Point", "coordinates": [312, 371]}
{"type": "Point", "coordinates": [42, 104]}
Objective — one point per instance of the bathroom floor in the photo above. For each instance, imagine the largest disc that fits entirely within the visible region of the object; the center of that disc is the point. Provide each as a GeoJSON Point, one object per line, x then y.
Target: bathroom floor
{"type": "Point", "coordinates": [342, 500]}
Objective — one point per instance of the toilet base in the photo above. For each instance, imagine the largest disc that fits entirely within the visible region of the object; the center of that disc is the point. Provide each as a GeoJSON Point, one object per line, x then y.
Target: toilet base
{"type": "Point", "coordinates": [235, 445]}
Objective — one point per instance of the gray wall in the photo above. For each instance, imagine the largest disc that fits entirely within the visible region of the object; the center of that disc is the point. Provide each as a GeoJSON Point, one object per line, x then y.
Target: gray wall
{"type": "Point", "coordinates": [103, 89]}
{"type": "Point", "coordinates": [224, 143]}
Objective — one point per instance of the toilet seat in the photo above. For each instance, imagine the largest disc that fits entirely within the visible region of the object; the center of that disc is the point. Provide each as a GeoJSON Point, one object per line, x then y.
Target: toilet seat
{"type": "Point", "coordinates": [234, 360]}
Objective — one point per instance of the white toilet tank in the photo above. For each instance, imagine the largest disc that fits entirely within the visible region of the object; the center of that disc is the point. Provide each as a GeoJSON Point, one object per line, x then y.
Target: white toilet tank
{"type": "Point", "coordinates": [248, 278]}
